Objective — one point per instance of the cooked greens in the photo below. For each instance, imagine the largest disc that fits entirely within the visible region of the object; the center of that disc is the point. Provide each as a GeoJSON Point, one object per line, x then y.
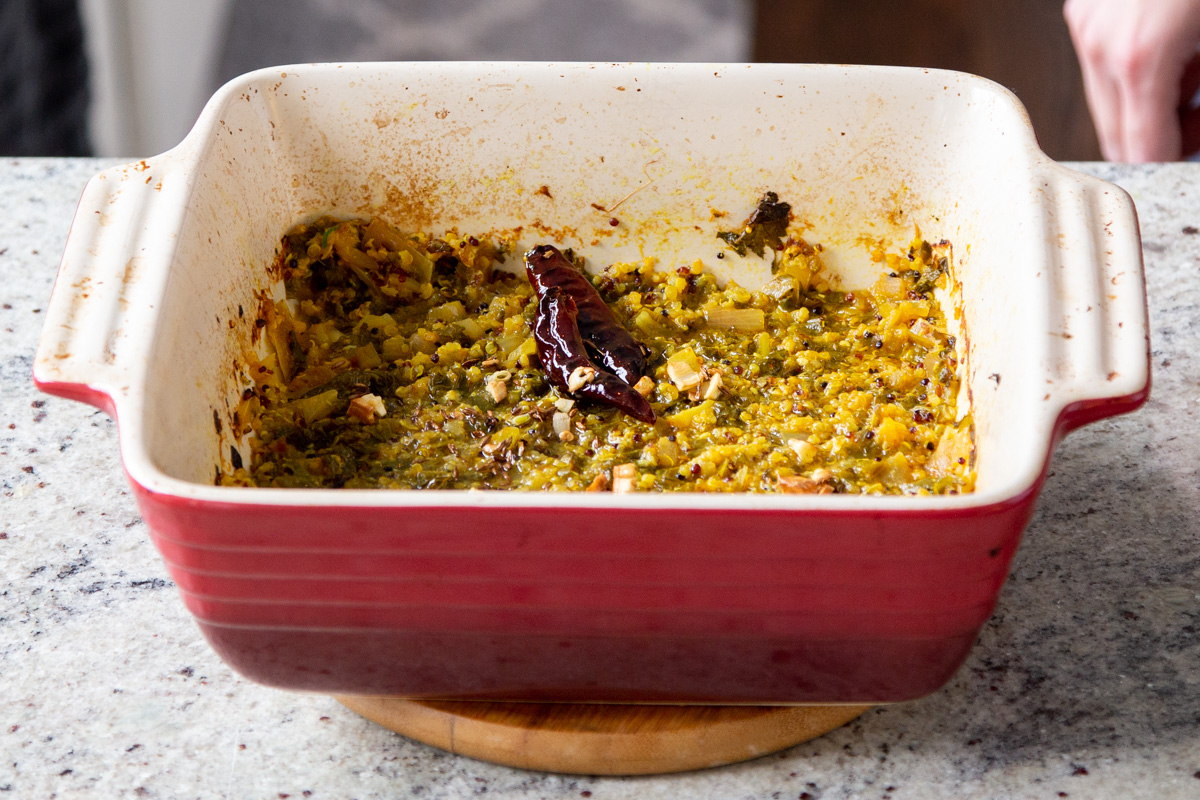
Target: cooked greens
{"type": "Point", "coordinates": [407, 361]}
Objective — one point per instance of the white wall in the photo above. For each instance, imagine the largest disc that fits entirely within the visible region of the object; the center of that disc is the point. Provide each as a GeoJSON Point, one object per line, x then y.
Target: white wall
{"type": "Point", "coordinates": [152, 65]}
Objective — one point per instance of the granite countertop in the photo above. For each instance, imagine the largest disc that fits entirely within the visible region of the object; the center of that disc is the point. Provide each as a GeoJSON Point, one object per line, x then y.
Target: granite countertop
{"type": "Point", "coordinates": [1085, 682]}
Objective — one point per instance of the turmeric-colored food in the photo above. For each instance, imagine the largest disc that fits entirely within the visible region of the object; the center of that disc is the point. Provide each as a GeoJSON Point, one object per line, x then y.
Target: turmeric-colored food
{"type": "Point", "coordinates": [408, 361]}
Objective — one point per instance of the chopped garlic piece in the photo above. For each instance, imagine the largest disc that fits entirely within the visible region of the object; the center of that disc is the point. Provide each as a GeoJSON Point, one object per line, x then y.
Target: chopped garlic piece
{"type": "Point", "coordinates": [624, 477]}
{"type": "Point", "coordinates": [562, 423]}
{"type": "Point", "coordinates": [683, 375]}
{"type": "Point", "coordinates": [580, 377]}
{"type": "Point", "coordinates": [712, 389]}
{"type": "Point", "coordinates": [644, 386]}
{"type": "Point", "coordinates": [921, 327]}
{"type": "Point", "coordinates": [805, 451]}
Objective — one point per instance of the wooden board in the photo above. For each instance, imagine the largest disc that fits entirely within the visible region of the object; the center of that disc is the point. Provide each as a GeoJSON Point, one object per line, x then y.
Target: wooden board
{"type": "Point", "coordinates": [602, 739]}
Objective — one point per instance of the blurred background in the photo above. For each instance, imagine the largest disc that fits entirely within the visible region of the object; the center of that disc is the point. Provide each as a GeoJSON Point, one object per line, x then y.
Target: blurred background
{"type": "Point", "coordinates": [128, 78]}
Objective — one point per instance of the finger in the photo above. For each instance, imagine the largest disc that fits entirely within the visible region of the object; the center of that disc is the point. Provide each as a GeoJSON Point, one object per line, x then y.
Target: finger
{"type": "Point", "coordinates": [1150, 129]}
{"type": "Point", "coordinates": [1099, 81]}
{"type": "Point", "coordinates": [1104, 103]}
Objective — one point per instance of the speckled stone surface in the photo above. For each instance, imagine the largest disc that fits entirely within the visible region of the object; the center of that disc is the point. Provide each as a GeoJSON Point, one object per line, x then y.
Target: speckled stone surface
{"type": "Point", "coordinates": [1085, 683]}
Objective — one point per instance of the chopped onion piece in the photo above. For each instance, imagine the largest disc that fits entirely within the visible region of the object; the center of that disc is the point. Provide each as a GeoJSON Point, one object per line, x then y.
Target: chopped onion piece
{"type": "Point", "coordinates": [740, 320]}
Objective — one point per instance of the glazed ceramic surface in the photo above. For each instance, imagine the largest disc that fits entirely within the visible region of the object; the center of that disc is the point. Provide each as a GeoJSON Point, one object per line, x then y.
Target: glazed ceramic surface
{"type": "Point", "coordinates": [682, 598]}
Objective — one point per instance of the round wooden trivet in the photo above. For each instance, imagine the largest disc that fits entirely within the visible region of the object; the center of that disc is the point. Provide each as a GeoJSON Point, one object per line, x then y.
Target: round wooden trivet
{"type": "Point", "coordinates": [602, 739]}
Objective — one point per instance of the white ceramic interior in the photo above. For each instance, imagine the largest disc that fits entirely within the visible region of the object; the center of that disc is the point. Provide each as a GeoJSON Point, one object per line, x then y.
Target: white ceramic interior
{"type": "Point", "coordinates": [155, 300]}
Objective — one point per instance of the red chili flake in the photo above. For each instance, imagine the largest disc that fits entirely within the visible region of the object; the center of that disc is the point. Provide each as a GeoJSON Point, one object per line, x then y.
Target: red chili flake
{"type": "Point", "coordinates": [696, 470]}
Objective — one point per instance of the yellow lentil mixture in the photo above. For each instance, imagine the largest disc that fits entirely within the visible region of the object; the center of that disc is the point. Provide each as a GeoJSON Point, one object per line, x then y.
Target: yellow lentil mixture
{"type": "Point", "coordinates": [407, 361]}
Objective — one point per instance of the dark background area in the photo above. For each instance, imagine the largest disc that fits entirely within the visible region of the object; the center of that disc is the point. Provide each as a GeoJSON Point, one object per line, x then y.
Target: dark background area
{"type": "Point", "coordinates": [1022, 44]}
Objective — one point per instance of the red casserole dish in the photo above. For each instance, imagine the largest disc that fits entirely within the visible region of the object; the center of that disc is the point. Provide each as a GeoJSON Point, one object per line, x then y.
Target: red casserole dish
{"type": "Point", "coordinates": [574, 597]}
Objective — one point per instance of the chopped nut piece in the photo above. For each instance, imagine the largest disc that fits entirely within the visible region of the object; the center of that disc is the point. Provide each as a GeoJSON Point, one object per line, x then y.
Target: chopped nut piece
{"type": "Point", "coordinates": [796, 484]}
{"type": "Point", "coordinates": [624, 477]}
{"type": "Point", "coordinates": [799, 484]}
{"type": "Point", "coordinates": [580, 377]}
{"type": "Point", "coordinates": [566, 436]}
{"type": "Point", "coordinates": [599, 483]}
{"type": "Point", "coordinates": [498, 390]}
{"type": "Point", "coordinates": [497, 385]}
{"type": "Point", "coordinates": [822, 475]}
{"type": "Point", "coordinates": [366, 407]}
{"type": "Point", "coordinates": [644, 386]}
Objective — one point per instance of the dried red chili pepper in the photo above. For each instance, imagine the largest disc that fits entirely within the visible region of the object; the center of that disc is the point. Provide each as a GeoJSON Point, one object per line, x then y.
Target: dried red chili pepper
{"type": "Point", "coordinates": [564, 358]}
{"type": "Point", "coordinates": [612, 345]}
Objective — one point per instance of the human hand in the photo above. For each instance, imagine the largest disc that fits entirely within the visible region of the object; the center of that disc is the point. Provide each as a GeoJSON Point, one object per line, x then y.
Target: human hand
{"type": "Point", "coordinates": [1140, 70]}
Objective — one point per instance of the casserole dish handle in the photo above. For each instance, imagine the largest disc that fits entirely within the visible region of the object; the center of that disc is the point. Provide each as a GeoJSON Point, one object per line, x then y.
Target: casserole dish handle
{"type": "Point", "coordinates": [97, 333]}
{"type": "Point", "coordinates": [1099, 342]}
